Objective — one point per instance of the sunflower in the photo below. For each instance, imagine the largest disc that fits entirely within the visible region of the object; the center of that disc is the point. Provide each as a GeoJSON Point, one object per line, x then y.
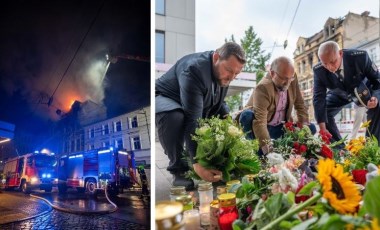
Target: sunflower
{"type": "Point", "coordinates": [338, 187]}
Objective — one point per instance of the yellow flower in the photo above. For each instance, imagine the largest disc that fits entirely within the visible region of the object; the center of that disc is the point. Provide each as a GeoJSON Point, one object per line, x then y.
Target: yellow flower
{"type": "Point", "coordinates": [347, 163]}
{"type": "Point", "coordinates": [355, 145]}
{"type": "Point", "coordinates": [365, 124]}
{"type": "Point", "coordinates": [338, 187]}
{"type": "Point", "coordinates": [374, 225]}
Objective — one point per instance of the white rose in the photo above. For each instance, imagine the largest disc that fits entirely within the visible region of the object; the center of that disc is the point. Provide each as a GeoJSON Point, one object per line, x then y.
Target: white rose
{"type": "Point", "coordinates": [275, 159]}
{"type": "Point", "coordinates": [233, 131]}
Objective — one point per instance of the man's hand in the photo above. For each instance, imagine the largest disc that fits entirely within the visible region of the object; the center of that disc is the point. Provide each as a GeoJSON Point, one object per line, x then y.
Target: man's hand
{"type": "Point", "coordinates": [266, 149]}
{"type": "Point", "coordinates": [372, 103]}
{"type": "Point", "coordinates": [210, 175]}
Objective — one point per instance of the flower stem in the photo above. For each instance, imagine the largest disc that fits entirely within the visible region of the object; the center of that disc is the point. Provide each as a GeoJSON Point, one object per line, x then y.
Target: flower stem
{"type": "Point", "coordinates": [293, 211]}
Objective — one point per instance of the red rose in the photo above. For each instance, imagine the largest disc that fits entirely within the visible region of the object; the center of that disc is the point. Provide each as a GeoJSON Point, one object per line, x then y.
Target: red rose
{"type": "Point", "coordinates": [326, 136]}
{"type": "Point", "coordinates": [359, 176]}
{"type": "Point", "coordinates": [289, 126]}
{"type": "Point", "coordinates": [303, 148]}
{"type": "Point", "coordinates": [326, 152]}
{"type": "Point", "coordinates": [296, 147]}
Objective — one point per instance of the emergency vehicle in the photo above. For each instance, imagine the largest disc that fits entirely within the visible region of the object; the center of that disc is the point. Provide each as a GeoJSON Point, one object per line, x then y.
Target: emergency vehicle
{"type": "Point", "coordinates": [31, 171]}
{"type": "Point", "coordinates": [94, 170]}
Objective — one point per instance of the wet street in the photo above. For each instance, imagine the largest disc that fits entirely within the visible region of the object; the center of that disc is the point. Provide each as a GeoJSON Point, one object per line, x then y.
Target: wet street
{"type": "Point", "coordinates": [75, 211]}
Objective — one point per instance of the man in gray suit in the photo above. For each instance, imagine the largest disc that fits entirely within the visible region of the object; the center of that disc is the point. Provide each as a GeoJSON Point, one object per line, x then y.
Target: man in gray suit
{"type": "Point", "coordinates": [195, 87]}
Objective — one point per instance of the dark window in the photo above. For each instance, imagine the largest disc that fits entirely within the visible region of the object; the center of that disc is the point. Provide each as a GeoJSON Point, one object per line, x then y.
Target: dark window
{"type": "Point", "coordinates": [134, 123]}
{"type": "Point", "coordinates": [136, 143]}
{"type": "Point", "coordinates": [105, 130]}
{"type": "Point", "coordinates": [117, 126]}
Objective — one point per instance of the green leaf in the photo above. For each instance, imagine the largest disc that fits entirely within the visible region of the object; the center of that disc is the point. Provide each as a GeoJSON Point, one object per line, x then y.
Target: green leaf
{"type": "Point", "coordinates": [371, 200]}
{"type": "Point", "coordinates": [307, 189]}
{"type": "Point", "coordinates": [238, 225]}
{"type": "Point", "coordinates": [240, 193]}
{"type": "Point", "coordinates": [305, 224]}
{"type": "Point", "coordinates": [273, 205]}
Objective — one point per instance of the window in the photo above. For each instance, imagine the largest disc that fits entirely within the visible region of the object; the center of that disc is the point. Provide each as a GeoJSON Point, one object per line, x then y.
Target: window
{"type": "Point", "coordinates": [136, 143]}
{"type": "Point", "coordinates": [119, 143]}
{"type": "Point", "coordinates": [105, 129]}
{"type": "Point", "coordinates": [134, 123]}
{"type": "Point", "coordinates": [117, 126]}
{"type": "Point", "coordinates": [160, 47]}
{"type": "Point", "coordinates": [77, 147]}
{"type": "Point", "coordinates": [372, 54]}
{"type": "Point", "coordinates": [72, 146]}
{"type": "Point", "coordinates": [106, 144]}
{"type": "Point", "coordinates": [160, 7]}
{"type": "Point", "coordinates": [91, 133]}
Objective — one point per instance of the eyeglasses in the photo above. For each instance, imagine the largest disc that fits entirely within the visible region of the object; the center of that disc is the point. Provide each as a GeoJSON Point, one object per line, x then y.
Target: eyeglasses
{"type": "Point", "coordinates": [283, 78]}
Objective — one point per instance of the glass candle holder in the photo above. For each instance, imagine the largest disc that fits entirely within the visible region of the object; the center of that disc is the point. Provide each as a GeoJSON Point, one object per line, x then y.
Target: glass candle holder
{"type": "Point", "coordinates": [177, 191]}
{"type": "Point", "coordinates": [192, 219]}
{"type": "Point", "coordinates": [186, 201]}
{"type": "Point", "coordinates": [169, 215]}
{"type": "Point", "coordinates": [205, 191]}
{"type": "Point", "coordinates": [228, 212]}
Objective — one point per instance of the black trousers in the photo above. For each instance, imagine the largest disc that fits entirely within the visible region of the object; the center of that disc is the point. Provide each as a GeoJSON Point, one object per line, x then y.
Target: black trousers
{"type": "Point", "coordinates": [170, 127]}
{"type": "Point", "coordinates": [335, 103]}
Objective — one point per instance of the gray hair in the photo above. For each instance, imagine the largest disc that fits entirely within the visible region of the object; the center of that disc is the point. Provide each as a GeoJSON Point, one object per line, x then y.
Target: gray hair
{"type": "Point", "coordinates": [231, 48]}
{"type": "Point", "coordinates": [279, 62]}
{"type": "Point", "coordinates": [328, 47]}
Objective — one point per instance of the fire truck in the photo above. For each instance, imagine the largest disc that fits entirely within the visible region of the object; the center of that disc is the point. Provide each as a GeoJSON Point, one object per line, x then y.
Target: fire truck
{"type": "Point", "coordinates": [31, 171]}
{"type": "Point", "coordinates": [93, 170]}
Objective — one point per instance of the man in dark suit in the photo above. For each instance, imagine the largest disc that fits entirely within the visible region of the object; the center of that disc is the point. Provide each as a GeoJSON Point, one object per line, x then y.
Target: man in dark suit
{"type": "Point", "coordinates": [336, 78]}
{"type": "Point", "coordinates": [193, 88]}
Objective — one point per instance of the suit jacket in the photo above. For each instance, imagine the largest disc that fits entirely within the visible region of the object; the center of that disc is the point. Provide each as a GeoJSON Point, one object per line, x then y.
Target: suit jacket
{"type": "Point", "coordinates": [191, 86]}
{"type": "Point", "coordinates": [263, 102]}
{"type": "Point", "coordinates": [357, 66]}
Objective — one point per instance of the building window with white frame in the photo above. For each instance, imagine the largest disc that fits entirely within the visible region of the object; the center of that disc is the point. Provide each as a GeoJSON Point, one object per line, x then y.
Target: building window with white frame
{"type": "Point", "coordinates": [106, 144]}
{"type": "Point", "coordinates": [91, 133]}
{"type": "Point", "coordinates": [117, 126]}
{"type": "Point", "coordinates": [160, 7]}
{"type": "Point", "coordinates": [105, 129]}
{"type": "Point", "coordinates": [133, 122]}
{"type": "Point", "coordinates": [160, 47]}
{"type": "Point", "coordinates": [136, 144]}
{"type": "Point", "coordinates": [119, 143]}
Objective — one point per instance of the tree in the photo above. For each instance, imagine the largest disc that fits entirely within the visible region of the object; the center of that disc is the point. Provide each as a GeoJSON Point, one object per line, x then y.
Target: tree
{"type": "Point", "coordinates": [234, 102]}
{"type": "Point", "coordinates": [256, 59]}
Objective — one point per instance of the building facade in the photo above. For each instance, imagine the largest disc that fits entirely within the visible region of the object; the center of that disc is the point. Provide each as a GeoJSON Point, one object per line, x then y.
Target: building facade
{"type": "Point", "coordinates": [130, 131]}
{"type": "Point", "coordinates": [175, 29]}
{"type": "Point", "coordinates": [350, 31]}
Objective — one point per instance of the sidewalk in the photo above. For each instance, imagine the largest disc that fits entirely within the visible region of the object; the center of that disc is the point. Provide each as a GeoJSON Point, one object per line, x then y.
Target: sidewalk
{"type": "Point", "coordinates": [163, 177]}
{"type": "Point", "coordinates": [14, 208]}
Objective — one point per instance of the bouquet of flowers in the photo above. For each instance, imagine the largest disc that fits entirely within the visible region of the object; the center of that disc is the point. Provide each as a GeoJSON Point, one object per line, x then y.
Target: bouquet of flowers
{"type": "Point", "coordinates": [362, 152]}
{"type": "Point", "coordinates": [301, 141]}
{"type": "Point", "coordinates": [222, 146]}
{"type": "Point", "coordinates": [334, 203]}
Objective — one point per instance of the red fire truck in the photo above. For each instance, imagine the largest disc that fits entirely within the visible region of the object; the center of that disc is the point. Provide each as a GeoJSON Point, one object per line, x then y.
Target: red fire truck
{"type": "Point", "coordinates": [31, 171]}
{"type": "Point", "coordinates": [94, 170]}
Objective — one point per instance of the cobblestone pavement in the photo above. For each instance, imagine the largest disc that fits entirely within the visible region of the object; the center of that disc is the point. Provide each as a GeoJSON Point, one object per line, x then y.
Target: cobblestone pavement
{"type": "Point", "coordinates": [61, 220]}
{"type": "Point", "coordinates": [18, 207]}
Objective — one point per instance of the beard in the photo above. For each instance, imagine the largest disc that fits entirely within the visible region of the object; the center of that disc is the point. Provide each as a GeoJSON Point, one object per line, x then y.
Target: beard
{"type": "Point", "coordinates": [283, 87]}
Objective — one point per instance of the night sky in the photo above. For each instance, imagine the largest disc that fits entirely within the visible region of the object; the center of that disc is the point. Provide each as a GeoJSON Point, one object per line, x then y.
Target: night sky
{"type": "Point", "coordinates": [39, 39]}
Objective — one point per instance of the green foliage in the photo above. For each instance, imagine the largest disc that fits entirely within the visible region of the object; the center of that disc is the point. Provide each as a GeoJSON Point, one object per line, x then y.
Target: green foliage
{"type": "Point", "coordinates": [364, 151]}
{"type": "Point", "coordinates": [222, 146]}
{"type": "Point", "coordinates": [256, 58]}
{"type": "Point", "coordinates": [371, 200]}
{"type": "Point", "coordinates": [234, 102]}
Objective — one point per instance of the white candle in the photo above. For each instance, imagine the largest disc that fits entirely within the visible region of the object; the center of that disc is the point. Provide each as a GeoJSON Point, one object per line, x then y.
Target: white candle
{"type": "Point", "coordinates": [204, 210]}
{"type": "Point", "coordinates": [192, 219]}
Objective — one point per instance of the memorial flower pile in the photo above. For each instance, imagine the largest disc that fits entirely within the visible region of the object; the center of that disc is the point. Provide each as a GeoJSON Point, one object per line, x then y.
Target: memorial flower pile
{"type": "Point", "coordinates": [222, 145]}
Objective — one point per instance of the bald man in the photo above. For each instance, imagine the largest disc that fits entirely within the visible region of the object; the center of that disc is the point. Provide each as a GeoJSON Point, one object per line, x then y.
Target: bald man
{"type": "Point", "coordinates": [336, 78]}
{"type": "Point", "coordinates": [271, 104]}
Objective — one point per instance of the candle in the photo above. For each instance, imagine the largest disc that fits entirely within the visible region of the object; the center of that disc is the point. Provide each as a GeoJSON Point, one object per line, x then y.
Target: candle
{"type": "Point", "coordinates": [192, 219]}
{"type": "Point", "coordinates": [204, 210]}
